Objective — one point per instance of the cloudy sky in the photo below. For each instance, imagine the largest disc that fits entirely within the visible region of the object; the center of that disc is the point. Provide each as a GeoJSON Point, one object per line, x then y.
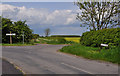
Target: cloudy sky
{"type": "Point", "coordinates": [60, 17]}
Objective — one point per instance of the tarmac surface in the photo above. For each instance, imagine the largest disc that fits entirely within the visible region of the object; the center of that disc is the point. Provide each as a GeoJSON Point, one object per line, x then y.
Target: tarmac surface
{"type": "Point", "coordinates": [8, 68]}
{"type": "Point", "coordinates": [44, 59]}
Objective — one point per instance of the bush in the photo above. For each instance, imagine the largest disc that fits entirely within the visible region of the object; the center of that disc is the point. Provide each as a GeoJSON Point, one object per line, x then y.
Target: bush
{"type": "Point", "coordinates": [106, 36]}
{"type": "Point", "coordinates": [62, 41]}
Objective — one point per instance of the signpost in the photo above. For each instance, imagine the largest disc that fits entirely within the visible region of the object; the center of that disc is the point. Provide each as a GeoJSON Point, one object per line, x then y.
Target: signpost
{"type": "Point", "coordinates": [104, 45]}
{"type": "Point", "coordinates": [10, 34]}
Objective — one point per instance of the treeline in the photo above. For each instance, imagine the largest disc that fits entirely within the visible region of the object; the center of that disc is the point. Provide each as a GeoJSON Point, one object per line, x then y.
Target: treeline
{"type": "Point", "coordinates": [106, 36]}
{"type": "Point", "coordinates": [18, 27]}
{"type": "Point", "coordinates": [65, 36]}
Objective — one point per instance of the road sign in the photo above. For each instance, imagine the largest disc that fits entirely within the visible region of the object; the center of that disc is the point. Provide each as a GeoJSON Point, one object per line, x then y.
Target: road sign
{"type": "Point", "coordinates": [10, 34]}
{"type": "Point", "coordinates": [104, 45]}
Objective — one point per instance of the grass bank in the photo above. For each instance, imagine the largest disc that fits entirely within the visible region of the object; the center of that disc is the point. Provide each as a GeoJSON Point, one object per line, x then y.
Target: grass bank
{"type": "Point", "coordinates": [111, 55]}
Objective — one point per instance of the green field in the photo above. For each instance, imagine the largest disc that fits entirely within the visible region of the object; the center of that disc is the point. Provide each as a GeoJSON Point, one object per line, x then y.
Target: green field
{"type": "Point", "coordinates": [59, 40]}
{"type": "Point", "coordinates": [48, 40]}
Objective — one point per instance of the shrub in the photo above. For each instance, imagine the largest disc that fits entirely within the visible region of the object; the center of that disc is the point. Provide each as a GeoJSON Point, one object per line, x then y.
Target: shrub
{"type": "Point", "coordinates": [61, 40]}
{"type": "Point", "coordinates": [106, 36]}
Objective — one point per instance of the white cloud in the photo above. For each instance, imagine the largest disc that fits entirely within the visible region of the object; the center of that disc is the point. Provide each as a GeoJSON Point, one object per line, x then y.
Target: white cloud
{"type": "Point", "coordinates": [39, 16]}
{"type": "Point", "coordinates": [69, 30]}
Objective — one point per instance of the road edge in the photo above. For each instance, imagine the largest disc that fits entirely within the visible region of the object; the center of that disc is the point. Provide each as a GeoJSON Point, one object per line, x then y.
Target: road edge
{"type": "Point", "coordinates": [15, 66]}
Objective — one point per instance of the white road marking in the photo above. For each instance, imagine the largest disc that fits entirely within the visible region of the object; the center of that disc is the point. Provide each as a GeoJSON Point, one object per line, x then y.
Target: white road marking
{"type": "Point", "coordinates": [76, 68]}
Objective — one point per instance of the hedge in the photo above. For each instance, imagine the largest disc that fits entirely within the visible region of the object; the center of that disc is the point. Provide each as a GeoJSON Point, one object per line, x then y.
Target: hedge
{"type": "Point", "coordinates": [105, 36]}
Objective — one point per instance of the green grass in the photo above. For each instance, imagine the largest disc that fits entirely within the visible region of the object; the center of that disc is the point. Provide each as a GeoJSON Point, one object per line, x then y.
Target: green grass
{"type": "Point", "coordinates": [16, 44]}
{"type": "Point", "coordinates": [111, 55]}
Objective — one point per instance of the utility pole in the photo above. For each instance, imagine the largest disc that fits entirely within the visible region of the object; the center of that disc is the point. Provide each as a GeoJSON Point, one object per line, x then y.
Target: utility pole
{"type": "Point", "coordinates": [23, 37]}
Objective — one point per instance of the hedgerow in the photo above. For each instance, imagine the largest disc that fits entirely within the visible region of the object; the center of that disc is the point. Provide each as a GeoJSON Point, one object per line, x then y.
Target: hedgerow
{"type": "Point", "coordinates": [106, 36]}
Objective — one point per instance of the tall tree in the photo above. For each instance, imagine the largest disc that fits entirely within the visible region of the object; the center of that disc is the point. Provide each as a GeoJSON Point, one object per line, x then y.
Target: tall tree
{"type": "Point", "coordinates": [7, 26]}
{"type": "Point", "coordinates": [21, 27]}
{"type": "Point", "coordinates": [98, 15]}
{"type": "Point", "coordinates": [47, 32]}
{"type": "Point", "coordinates": [18, 27]}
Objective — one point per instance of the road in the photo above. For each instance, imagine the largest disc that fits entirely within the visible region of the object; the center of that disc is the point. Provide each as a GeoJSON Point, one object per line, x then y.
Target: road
{"type": "Point", "coordinates": [44, 59]}
{"type": "Point", "coordinates": [8, 68]}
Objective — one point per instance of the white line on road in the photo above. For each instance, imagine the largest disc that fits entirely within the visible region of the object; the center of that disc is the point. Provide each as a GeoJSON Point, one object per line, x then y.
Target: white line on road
{"type": "Point", "coordinates": [76, 68]}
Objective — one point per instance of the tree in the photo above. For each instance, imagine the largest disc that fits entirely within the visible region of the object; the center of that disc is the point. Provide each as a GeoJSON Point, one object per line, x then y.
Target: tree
{"type": "Point", "coordinates": [98, 15]}
{"type": "Point", "coordinates": [19, 28]}
{"type": "Point", "coordinates": [35, 36]}
{"type": "Point", "coordinates": [47, 32]}
{"type": "Point", "coordinates": [7, 26]}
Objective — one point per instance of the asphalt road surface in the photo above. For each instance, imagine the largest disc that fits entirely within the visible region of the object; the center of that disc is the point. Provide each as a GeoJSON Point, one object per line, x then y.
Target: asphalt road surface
{"type": "Point", "coordinates": [44, 59]}
{"type": "Point", "coordinates": [8, 68]}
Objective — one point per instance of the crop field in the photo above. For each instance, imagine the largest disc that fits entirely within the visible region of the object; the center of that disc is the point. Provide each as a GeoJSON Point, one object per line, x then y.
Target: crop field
{"type": "Point", "coordinates": [74, 39]}
{"type": "Point", "coordinates": [59, 40]}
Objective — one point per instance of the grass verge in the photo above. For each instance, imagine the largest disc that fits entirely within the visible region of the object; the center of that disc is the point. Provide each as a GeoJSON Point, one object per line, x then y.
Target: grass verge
{"type": "Point", "coordinates": [111, 55]}
{"type": "Point", "coordinates": [16, 44]}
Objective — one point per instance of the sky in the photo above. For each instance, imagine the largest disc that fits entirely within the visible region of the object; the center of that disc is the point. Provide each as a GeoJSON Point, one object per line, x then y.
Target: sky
{"type": "Point", "coordinates": [37, 0]}
{"type": "Point", "coordinates": [60, 17]}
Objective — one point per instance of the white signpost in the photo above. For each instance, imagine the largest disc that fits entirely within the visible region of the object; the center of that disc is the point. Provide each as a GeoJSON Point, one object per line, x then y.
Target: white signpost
{"type": "Point", "coordinates": [10, 36]}
{"type": "Point", "coordinates": [104, 45]}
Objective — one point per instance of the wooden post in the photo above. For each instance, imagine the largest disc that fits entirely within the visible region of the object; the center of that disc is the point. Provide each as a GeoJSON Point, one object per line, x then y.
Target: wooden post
{"type": "Point", "coordinates": [10, 38]}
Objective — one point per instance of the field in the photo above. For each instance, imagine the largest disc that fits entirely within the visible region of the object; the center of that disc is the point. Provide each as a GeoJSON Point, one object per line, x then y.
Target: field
{"type": "Point", "coordinates": [59, 40]}
{"type": "Point", "coordinates": [54, 40]}
{"type": "Point", "coordinates": [48, 40]}
{"type": "Point", "coordinates": [74, 39]}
